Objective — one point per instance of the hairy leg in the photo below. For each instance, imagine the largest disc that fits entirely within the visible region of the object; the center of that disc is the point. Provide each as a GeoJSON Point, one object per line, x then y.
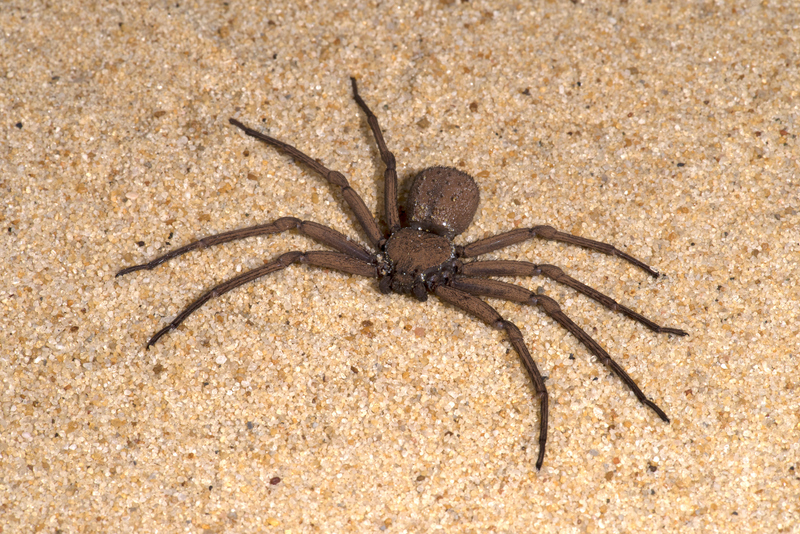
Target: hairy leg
{"type": "Point", "coordinates": [482, 246]}
{"type": "Point", "coordinates": [475, 306]}
{"type": "Point", "coordinates": [390, 175]}
{"type": "Point", "coordinates": [319, 232]}
{"type": "Point", "coordinates": [503, 290]}
{"type": "Point", "coordinates": [524, 268]}
{"type": "Point", "coordinates": [335, 177]}
{"type": "Point", "coordinates": [320, 258]}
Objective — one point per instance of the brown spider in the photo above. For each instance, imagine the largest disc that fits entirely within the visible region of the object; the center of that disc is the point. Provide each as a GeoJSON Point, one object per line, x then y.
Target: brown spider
{"type": "Point", "coordinates": [421, 258]}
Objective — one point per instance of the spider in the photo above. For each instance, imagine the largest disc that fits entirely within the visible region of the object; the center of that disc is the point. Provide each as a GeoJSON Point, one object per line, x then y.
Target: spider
{"type": "Point", "coordinates": [420, 257]}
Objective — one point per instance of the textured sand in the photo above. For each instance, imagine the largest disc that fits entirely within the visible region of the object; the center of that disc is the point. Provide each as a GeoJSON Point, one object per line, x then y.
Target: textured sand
{"type": "Point", "coordinates": [308, 401]}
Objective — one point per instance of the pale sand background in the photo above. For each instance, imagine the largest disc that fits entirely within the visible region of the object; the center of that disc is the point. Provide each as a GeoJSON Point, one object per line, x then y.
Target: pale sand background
{"type": "Point", "coordinates": [668, 131]}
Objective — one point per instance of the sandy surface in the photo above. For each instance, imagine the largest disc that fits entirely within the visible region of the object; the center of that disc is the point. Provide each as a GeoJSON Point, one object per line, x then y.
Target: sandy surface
{"type": "Point", "coordinates": [308, 401]}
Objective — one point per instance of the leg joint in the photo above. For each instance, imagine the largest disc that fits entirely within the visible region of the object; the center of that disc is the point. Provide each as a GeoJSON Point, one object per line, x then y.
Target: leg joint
{"type": "Point", "coordinates": [549, 305]}
{"type": "Point", "coordinates": [286, 223]}
{"type": "Point", "coordinates": [290, 257]}
{"type": "Point", "coordinates": [337, 178]}
{"type": "Point", "coordinates": [551, 271]}
{"type": "Point", "coordinates": [544, 231]}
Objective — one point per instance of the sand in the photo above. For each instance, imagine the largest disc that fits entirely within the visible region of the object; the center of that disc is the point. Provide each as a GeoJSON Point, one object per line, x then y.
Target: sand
{"type": "Point", "coordinates": [309, 402]}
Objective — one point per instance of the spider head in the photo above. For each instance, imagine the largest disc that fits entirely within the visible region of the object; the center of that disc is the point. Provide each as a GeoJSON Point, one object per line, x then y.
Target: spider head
{"type": "Point", "coordinates": [443, 201]}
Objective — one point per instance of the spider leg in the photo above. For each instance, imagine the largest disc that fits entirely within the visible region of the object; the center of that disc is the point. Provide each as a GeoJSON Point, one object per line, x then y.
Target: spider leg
{"type": "Point", "coordinates": [471, 304]}
{"type": "Point", "coordinates": [319, 232]}
{"type": "Point", "coordinates": [390, 175]}
{"type": "Point", "coordinates": [506, 291]}
{"type": "Point", "coordinates": [524, 268]}
{"type": "Point", "coordinates": [482, 246]}
{"type": "Point", "coordinates": [320, 258]}
{"type": "Point", "coordinates": [335, 177]}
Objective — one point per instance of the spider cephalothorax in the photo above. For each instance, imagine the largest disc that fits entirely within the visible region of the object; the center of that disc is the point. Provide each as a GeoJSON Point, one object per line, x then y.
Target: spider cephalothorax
{"type": "Point", "coordinates": [421, 258]}
{"type": "Point", "coordinates": [441, 204]}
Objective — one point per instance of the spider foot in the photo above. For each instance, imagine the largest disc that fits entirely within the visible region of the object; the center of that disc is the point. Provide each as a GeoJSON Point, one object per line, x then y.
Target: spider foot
{"type": "Point", "coordinates": [674, 331]}
{"type": "Point", "coordinates": [158, 335]}
{"type": "Point", "coordinates": [652, 405]}
{"type": "Point", "coordinates": [132, 268]}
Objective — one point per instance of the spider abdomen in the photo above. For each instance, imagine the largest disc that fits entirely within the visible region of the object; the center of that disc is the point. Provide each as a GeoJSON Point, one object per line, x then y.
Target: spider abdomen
{"type": "Point", "coordinates": [442, 200]}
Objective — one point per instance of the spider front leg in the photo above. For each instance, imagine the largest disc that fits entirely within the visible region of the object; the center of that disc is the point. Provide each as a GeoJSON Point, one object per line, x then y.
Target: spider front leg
{"type": "Point", "coordinates": [336, 178]}
{"type": "Point", "coordinates": [506, 291]}
{"type": "Point", "coordinates": [323, 234]}
{"type": "Point", "coordinates": [524, 268]}
{"type": "Point", "coordinates": [486, 313]}
{"type": "Point", "coordinates": [513, 237]}
{"type": "Point", "coordinates": [320, 258]}
{"type": "Point", "coordinates": [390, 175]}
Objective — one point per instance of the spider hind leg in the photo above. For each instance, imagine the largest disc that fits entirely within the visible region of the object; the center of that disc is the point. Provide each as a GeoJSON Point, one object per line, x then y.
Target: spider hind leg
{"type": "Point", "coordinates": [524, 268]}
{"type": "Point", "coordinates": [475, 306]}
{"type": "Point", "coordinates": [506, 291]}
